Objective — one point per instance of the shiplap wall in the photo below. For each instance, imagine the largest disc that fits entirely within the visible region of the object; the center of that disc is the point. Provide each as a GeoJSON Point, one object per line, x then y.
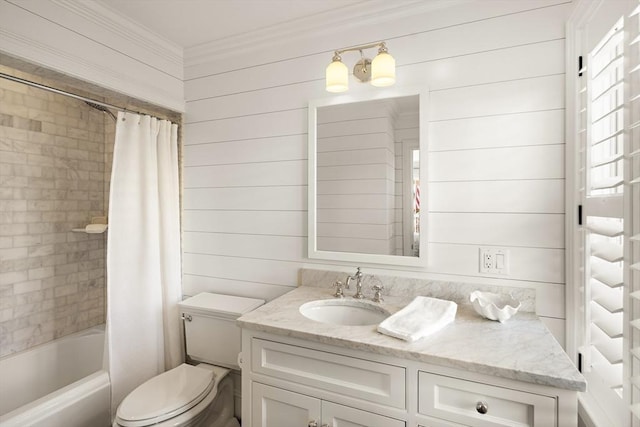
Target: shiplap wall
{"type": "Point", "coordinates": [495, 71]}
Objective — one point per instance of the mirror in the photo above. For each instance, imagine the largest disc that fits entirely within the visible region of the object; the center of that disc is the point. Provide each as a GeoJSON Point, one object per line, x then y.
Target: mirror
{"type": "Point", "coordinates": [364, 178]}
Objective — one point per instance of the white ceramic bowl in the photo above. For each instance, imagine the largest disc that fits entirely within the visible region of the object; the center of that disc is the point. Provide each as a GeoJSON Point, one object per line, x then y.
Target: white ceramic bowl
{"type": "Point", "coordinates": [494, 306]}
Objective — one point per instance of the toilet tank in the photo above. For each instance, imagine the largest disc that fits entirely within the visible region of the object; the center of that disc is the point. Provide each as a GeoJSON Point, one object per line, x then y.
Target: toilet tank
{"type": "Point", "coordinates": [211, 334]}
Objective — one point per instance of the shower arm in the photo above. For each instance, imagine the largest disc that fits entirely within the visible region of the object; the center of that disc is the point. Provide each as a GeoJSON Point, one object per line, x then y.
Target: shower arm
{"type": "Point", "coordinates": [101, 108]}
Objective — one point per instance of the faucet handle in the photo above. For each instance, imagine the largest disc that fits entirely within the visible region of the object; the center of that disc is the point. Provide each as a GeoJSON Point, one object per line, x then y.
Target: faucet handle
{"type": "Point", "coordinates": [338, 285]}
{"type": "Point", "coordinates": [377, 296]}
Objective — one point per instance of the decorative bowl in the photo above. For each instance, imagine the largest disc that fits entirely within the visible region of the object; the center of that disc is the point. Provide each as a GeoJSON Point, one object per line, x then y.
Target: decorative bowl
{"type": "Point", "coordinates": [494, 306]}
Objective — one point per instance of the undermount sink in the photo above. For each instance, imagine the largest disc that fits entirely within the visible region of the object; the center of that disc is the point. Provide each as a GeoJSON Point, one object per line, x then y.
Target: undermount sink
{"type": "Point", "coordinates": [346, 312]}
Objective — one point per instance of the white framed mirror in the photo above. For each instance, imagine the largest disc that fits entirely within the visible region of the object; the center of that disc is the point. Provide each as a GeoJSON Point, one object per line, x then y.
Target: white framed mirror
{"type": "Point", "coordinates": [365, 172]}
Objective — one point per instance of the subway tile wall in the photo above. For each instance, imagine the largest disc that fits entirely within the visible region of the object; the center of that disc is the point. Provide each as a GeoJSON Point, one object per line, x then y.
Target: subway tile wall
{"type": "Point", "coordinates": [55, 155]}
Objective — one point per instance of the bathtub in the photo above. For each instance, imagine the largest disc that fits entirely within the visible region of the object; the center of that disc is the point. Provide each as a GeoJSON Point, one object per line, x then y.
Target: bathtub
{"type": "Point", "coordinates": [61, 383]}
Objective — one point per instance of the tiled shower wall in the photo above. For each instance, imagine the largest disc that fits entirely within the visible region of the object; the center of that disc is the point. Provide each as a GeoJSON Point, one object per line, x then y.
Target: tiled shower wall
{"type": "Point", "coordinates": [54, 171]}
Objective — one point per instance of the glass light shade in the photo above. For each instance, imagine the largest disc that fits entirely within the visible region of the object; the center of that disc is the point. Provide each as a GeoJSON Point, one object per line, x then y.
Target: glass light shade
{"type": "Point", "coordinates": [337, 77]}
{"type": "Point", "coordinates": [383, 70]}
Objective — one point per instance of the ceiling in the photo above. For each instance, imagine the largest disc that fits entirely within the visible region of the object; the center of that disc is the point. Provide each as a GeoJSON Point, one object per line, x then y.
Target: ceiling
{"type": "Point", "coordinates": [189, 23]}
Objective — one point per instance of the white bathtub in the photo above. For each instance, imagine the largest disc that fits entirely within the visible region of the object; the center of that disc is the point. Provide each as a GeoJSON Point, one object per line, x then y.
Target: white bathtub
{"type": "Point", "coordinates": [61, 383]}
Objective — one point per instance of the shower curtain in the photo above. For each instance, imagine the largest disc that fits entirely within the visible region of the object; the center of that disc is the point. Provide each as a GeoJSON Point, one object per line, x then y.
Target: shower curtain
{"type": "Point", "coordinates": [143, 254]}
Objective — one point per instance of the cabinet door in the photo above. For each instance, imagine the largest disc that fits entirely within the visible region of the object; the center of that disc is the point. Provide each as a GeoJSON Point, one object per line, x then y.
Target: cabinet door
{"type": "Point", "coordinates": [334, 415]}
{"type": "Point", "coordinates": [274, 407]}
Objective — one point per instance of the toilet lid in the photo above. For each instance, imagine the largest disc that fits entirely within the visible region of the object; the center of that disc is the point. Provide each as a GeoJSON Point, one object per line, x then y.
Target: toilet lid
{"type": "Point", "coordinates": [225, 305]}
{"type": "Point", "coordinates": [165, 396]}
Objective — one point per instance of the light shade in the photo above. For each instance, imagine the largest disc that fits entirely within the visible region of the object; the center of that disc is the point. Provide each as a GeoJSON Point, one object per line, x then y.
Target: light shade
{"type": "Point", "coordinates": [337, 76]}
{"type": "Point", "coordinates": [383, 69]}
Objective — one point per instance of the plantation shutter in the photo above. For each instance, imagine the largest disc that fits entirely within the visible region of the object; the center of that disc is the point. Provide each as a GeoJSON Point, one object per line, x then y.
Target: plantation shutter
{"type": "Point", "coordinates": [609, 141]}
{"type": "Point", "coordinates": [602, 174]}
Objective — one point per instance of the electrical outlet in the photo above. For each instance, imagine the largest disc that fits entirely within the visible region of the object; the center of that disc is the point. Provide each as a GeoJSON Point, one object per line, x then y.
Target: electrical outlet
{"type": "Point", "coordinates": [494, 261]}
{"type": "Point", "coordinates": [487, 260]}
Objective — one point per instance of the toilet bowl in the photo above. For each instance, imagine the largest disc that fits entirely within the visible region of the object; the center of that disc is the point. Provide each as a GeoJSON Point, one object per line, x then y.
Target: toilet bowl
{"type": "Point", "coordinates": [198, 394]}
{"type": "Point", "coordinates": [184, 396]}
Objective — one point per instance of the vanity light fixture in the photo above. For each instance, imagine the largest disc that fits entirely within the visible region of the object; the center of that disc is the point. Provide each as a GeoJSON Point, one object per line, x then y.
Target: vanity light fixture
{"type": "Point", "coordinates": [381, 71]}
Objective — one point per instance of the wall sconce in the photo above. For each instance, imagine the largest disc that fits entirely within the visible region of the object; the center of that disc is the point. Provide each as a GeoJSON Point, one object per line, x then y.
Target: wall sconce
{"type": "Point", "coordinates": [381, 71]}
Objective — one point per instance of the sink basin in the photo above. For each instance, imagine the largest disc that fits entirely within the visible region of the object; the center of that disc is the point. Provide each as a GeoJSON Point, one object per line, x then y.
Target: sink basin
{"type": "Point", "coordinates": [346, 312]}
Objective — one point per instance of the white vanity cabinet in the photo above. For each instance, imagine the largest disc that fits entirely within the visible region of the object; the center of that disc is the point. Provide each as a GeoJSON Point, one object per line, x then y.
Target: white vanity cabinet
{"type": "Point", "coordinates": [290, 382]}
{"type": "Point", "coordinates": [476, 373]}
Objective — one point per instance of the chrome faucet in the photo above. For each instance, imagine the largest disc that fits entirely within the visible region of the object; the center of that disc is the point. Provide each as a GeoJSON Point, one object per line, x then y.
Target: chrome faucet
{"type": "Point", "coordinates": [358, 278]}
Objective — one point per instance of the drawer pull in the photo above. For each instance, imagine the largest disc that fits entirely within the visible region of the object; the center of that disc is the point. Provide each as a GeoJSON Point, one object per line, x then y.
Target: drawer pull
{"type": "Point", "coordinates": [312, 424]}
{"type": "Point", "coordinates": [482, 407]}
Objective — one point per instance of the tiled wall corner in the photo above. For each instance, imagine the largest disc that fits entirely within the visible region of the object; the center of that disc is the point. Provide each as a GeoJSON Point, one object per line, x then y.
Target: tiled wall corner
{"type": "Point", "coordinates": [53, 178]}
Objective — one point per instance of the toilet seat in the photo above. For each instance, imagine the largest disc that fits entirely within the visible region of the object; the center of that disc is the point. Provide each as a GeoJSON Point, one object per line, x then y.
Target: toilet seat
{"type": "Point", "coordinates": [166, 396]}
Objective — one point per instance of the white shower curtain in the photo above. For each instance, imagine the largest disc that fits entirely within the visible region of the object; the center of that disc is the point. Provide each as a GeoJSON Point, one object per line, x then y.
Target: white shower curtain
{"type": "Point", "coordinates": [143, 253]}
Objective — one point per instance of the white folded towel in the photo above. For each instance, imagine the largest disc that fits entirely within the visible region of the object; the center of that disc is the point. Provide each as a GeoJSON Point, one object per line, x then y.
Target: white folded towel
{"type": "Point", "coordinates": [421, 317]}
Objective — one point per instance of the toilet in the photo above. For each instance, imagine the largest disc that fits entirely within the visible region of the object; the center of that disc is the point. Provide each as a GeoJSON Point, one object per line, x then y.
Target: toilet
{"type": "Point", "coordinates": [198, 393]}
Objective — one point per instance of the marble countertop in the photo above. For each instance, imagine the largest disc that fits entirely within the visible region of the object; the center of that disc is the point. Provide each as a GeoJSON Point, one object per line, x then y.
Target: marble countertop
{"type": "Point", "coordinates": [521, 349]}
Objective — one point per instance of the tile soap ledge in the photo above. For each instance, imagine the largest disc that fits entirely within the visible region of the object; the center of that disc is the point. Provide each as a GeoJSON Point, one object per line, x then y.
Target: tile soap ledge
{"type": "Point", "coordinates": [98, 225]}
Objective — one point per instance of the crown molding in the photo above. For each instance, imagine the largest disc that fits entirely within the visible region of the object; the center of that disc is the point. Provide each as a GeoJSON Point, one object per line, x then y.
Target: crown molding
{"type": "Point", "coordinates": [352, 17]}
{"type": "Point", "coordinates": [115, 22]}
{"type": "Point", "coordinates": [42, 54]}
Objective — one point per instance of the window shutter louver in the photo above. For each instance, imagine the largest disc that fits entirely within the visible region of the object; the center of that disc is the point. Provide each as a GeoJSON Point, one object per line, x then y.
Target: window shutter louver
{"type": "Point", "coordinates": [632, 208]}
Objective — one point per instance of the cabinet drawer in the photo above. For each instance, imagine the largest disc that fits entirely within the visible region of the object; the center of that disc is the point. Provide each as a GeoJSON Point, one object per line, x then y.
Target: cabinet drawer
{"type": "Point", "coordinates": [455, 400]}
{"type": "Point", "coordinates": [362, 379]}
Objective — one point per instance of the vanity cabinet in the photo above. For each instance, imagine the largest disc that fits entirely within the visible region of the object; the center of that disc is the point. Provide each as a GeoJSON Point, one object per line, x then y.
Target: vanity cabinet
{"type": "Point", "coordinates": [290, 382]}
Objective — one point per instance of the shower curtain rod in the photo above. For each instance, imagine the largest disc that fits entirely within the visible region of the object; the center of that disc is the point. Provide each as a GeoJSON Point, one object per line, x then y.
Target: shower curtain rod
{"type": "Point", "coordinates": [62, 92]}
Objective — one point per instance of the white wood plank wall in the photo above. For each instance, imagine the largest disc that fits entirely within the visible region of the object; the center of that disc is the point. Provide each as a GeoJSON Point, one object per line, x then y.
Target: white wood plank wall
{"type": "Point", "coordinates": [495, 70]}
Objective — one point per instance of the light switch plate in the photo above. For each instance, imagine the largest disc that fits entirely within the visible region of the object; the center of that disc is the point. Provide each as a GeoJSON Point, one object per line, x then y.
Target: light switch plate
{"type": "Point", "coordinates": [494, 261]}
